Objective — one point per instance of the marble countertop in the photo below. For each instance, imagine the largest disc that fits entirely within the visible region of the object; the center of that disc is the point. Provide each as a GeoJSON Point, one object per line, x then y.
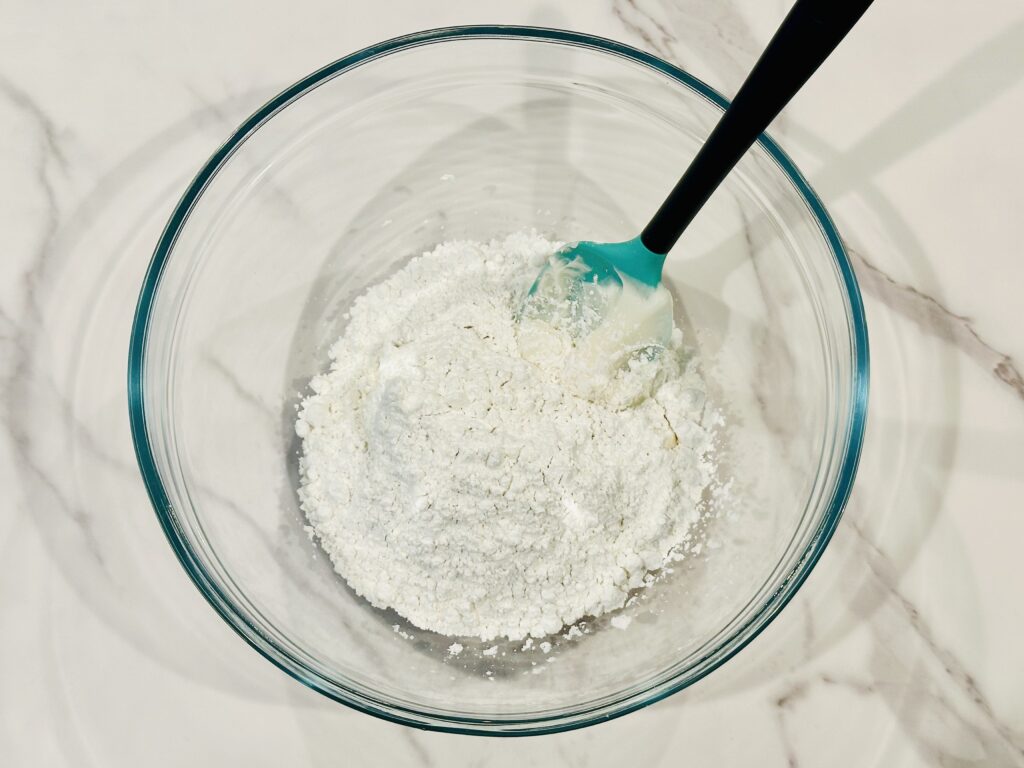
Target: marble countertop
{"type": "Point", "coordinates": [904, 648]}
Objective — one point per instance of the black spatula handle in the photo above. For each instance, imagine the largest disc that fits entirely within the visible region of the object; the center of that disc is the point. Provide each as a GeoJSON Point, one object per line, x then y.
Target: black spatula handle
{"type": "Point", "coordinates": [807, 36]}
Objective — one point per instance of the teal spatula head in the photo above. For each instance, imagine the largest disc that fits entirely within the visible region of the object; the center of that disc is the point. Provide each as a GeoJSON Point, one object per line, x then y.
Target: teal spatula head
{"type": "Point", "coordinates": [595, 311]}
{"type": "Point", "coordinates": [589, 262]}
{"type": "Point", "coordinates": [580, 284]}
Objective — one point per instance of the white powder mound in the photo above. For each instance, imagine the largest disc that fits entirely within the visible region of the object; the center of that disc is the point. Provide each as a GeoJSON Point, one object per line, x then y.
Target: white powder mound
{"type": "Point", "coordinates": [470, 489]}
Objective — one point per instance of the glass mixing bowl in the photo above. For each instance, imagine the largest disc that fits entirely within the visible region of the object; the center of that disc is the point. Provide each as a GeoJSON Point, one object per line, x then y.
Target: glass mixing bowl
{"type": "Point", "coordinates": [474, 132]}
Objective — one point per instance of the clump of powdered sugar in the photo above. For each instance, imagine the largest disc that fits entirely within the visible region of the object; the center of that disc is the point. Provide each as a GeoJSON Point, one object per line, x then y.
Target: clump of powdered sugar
{"type": "Point", "coordinates": [471, 490]}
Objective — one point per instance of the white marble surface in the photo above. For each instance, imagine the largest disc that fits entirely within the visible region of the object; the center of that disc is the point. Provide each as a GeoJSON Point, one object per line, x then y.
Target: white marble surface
{"type": "Point", "coordinates": [905, 647]}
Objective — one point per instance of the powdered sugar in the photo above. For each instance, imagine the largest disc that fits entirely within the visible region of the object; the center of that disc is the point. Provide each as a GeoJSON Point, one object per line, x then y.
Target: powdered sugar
{"type": "Point", "coordinates": [470, 489]}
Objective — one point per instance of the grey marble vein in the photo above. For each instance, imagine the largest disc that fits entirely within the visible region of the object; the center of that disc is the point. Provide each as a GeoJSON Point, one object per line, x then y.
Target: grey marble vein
{"type": "Point", "coordinates": [9, 331]}
{"type": "Point", "coordinates": [48, 129]}
{"type": "Point", "coordinates": [718, 33]}
{"type": "Point", "coordinates": [782, 705]}
{"type": "Point", "coordinates": [30, 469]}
{"type": "Point", "coordinates": [51, 155]}
{"type": "Point", "coordinates": [420, 753]}
{"type": "Point", "coordinates": [27, 389]}
{"type": "Point", "coordinates": [658, 40]}
{"type": "Point", "coordinates": [934, 318]}
{"type": "Point", "coordinates": [242, 392]}
{"type": "Point", "coordinates": [20, 365]}
{"type": "Point", "coordinates": [860, 687]}
{"type": "Point", "coordinates": [1006, 744]}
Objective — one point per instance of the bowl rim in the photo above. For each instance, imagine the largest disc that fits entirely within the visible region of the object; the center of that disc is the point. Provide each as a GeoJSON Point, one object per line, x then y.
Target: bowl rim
{"type": "Point", "coordinates": [407, 715]}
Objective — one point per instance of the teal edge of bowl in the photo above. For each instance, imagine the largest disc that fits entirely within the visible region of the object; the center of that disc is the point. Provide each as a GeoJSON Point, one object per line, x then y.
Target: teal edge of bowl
{"type": "Point", "coordinates": [249, 632]}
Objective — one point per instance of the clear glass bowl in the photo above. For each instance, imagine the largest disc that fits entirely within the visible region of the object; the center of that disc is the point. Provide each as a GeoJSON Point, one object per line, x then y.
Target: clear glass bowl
{"type": "Point", "coordinates": [473, 132]}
